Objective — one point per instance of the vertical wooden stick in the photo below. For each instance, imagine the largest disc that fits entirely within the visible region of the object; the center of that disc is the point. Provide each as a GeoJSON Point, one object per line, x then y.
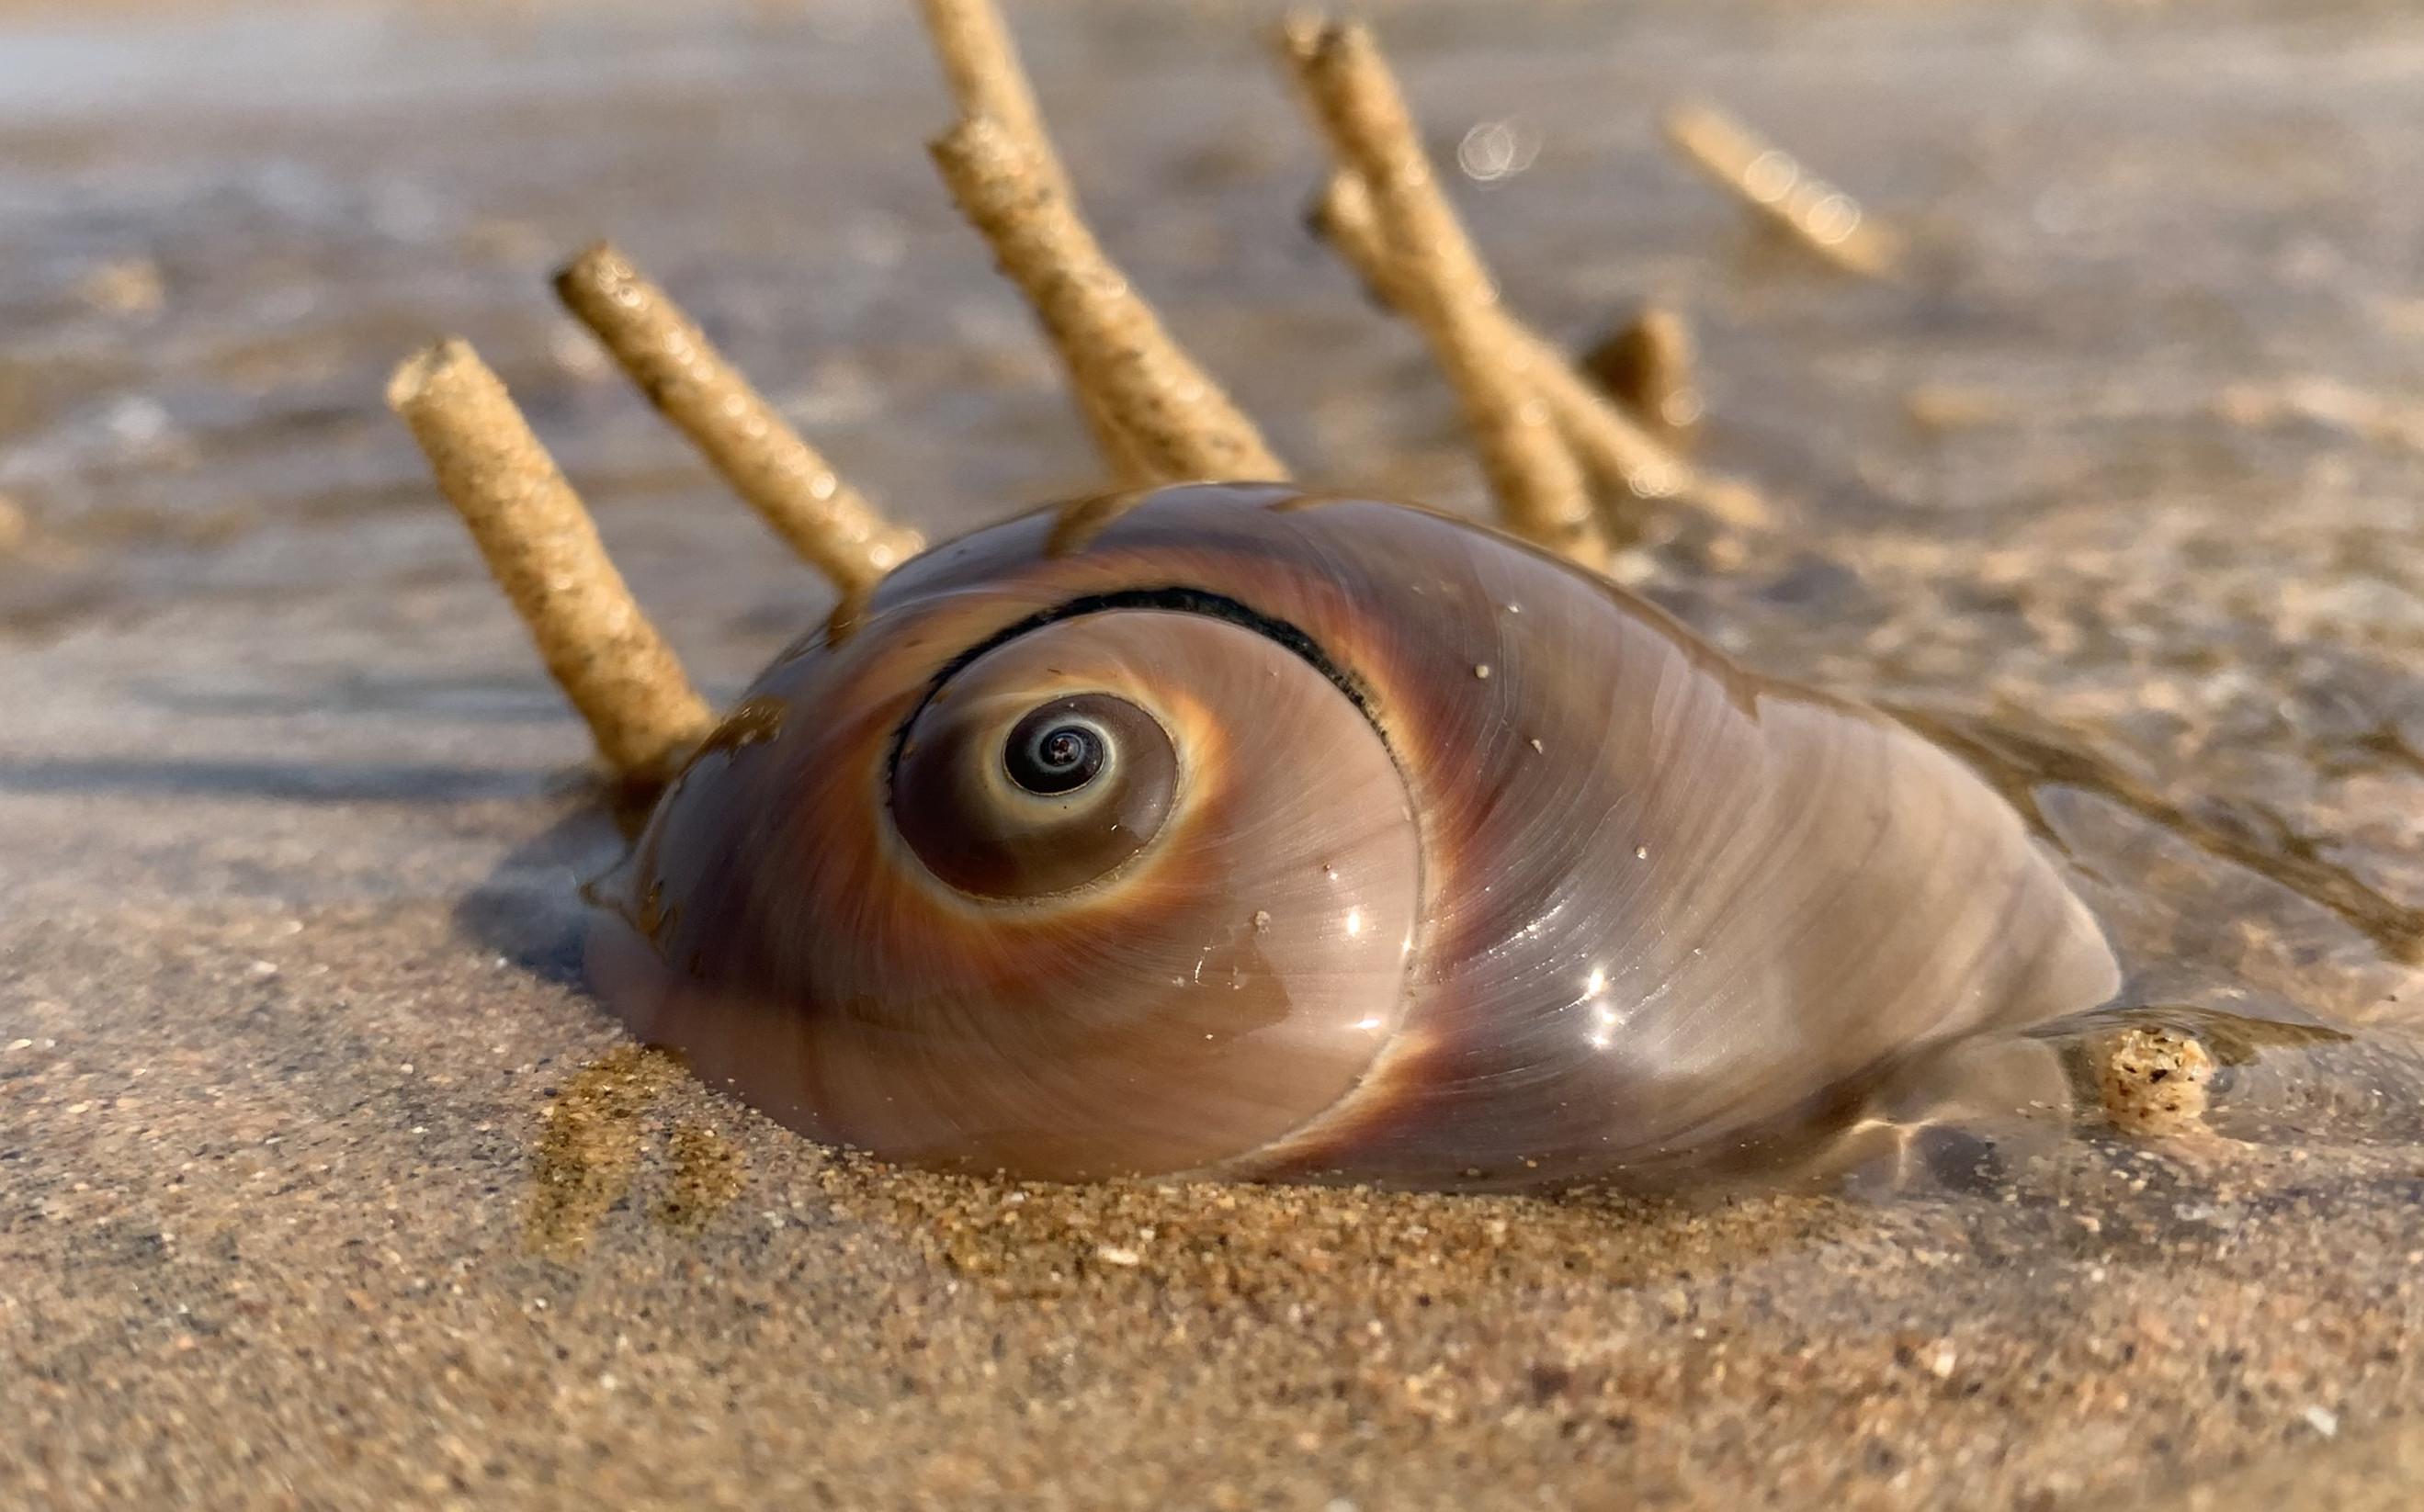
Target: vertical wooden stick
{"type": "Point", "coordinates": [790, 485]}
{"type": "Point", "coordinates": [544, 550]}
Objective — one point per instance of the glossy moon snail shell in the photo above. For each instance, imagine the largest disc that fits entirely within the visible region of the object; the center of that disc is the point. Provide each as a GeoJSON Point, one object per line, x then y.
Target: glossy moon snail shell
{"type": "Point", "coordinates": [1239, 830]}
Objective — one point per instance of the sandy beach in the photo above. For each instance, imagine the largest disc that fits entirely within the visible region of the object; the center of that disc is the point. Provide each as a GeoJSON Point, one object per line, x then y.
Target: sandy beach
{"type": "Point", "coordinates": [324, 1182]}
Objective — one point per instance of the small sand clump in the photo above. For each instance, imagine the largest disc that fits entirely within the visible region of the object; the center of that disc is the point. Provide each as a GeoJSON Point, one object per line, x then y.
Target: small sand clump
{"type": "Point", "coordinates": [2156, 1084]}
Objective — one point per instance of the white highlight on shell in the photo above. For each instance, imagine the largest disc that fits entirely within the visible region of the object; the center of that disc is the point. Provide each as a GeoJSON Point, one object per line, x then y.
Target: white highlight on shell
{"type": "Point", "coordinates": [1605, 1020]}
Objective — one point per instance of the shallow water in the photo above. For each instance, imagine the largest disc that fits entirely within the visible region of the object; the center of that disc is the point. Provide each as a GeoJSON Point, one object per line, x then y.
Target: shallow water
{"type": "Point", "coordinates": [2115, 490]}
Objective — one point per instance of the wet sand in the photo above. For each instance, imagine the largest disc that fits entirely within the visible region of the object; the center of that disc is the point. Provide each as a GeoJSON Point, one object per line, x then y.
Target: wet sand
{"type": "Point", "coordinates": [324, 1184]}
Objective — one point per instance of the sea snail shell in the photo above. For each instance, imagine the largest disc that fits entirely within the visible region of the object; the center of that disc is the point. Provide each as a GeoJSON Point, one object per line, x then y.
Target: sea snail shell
{"type": "Point", "coordinates": [1245, 831]}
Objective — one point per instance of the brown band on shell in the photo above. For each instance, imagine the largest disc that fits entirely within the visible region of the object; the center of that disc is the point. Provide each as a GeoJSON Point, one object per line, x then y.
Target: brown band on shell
{"type": "Point", "coordinates": [790, 485]}
{"type": "Point", "coordinates": [541, 545]}
{"type": "Point", "coordinates": [1446, 290]}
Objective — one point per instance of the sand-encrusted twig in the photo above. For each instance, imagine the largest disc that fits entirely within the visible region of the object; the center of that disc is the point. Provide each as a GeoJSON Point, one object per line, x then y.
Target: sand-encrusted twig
{"type": "Point", "coordinates": [544, 550]}
{"type": "Point", "coordinates": [981, 66]}
{"type": "Point", "coordinates": [1442, 287]}
{"type": "Point", "coordinates": [1175, 420]}
{"type": "Point", "coordinates": [1647, 365]}
{"type": "Point", "coordinates": [1154, 414]}
{"type": "Point", "coordinates": [2155, 1083]}
{"type": "Point", "coordinates": [1816, 214]}
{"type": "Point", "coordinates": [1633, 472]}
{"type": "Point", "coordinates": [829, 523]}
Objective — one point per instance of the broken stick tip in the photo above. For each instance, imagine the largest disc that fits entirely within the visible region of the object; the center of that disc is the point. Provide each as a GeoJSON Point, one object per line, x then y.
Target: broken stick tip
{"type": "Point", "coordinates": [1299, 33]}
{"type": "Point", "coordinates": [409, 385]}
{"type": "Point", "coordinates": [600, 259]}
{"type": "Point", "coordinates": [977, 140]}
